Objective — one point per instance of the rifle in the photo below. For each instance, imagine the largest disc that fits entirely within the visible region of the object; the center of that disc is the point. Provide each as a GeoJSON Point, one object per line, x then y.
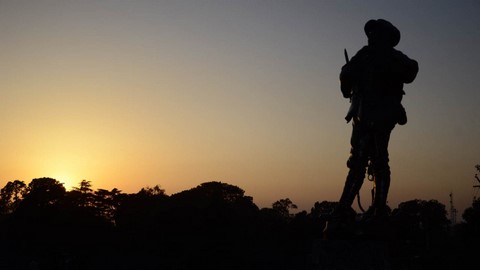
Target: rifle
{"type": "Point", "coordinates": [346, 55]}
{"type": "Point", "coordinates": [354, 102]}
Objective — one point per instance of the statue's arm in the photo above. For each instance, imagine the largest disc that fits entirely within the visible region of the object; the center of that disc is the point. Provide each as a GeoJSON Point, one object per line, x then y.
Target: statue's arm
{"type": "Point", "coordinates": [405, 67]}
{"type": "Point", "coordinates": [350, 72]}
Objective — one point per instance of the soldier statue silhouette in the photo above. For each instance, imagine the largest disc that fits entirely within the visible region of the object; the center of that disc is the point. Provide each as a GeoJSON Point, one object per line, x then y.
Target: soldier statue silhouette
{"type": "Point", "coordinates": [373, 81]}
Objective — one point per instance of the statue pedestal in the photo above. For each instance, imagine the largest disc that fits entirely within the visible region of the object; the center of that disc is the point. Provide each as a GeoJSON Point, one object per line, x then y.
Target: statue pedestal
{"type": "Point", "coordinates": [350, 254]}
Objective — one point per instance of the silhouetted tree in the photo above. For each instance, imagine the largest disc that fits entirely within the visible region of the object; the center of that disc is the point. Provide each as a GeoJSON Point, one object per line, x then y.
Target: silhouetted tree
{"type": "Point", "coordinates": [320, 213]}
{"type": "Point", "coordinates": [82, 196]}
{"type": "Point", "coordinates": [421, 229]}
{"type": "Point", "coordinates": [11, 195]}
{"type": "Point", "coordinates": [42, 192]}
{"type": "Point", "coordinates": [84, 187]}
{"type": "Point", "coordinates": [141, 211]}
{"type": "Point", "coordinates": [37, 224]}
{"type": "Point", "coordinates": [214, 191]}
{"type": "Point", "coordinates": [421, 214]}
{"type": "Point", "coordinates": [471, 215]}
{"type": "Point", "coordinates": [322, 209]}
{"type": "Point", "coordinates": [216, 195]}
{"type": "Point", "coordinates": [467, 234]}
{"type": "Point", "coordinates": [107, 202]}
{"type": "Point", "coordinates": [213, 225]}
{"type": "Point", "coordinates": [283, 207]}
{"type": "Point", "coordinates": [151, 192]}
{"type": "Point", "coordinates": [81, 210]}
{"type": "Point", "coordinates": [213, 204]}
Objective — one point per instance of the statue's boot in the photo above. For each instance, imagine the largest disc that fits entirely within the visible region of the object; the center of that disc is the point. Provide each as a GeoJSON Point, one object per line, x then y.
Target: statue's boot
{"type": "Point", "coordinates": [342, 219]}
{"type": "Point", "coordinates": [375, 220]}
{"type": "Point", "coordinates": [340, 224]}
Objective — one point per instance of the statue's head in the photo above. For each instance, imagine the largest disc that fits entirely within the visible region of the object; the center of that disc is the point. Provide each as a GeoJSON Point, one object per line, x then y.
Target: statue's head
{"type": "Point", "coordinates": [382, 33]}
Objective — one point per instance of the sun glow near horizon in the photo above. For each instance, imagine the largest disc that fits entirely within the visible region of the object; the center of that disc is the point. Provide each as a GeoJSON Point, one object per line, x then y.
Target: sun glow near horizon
{"type": "Point", "coordinates": [138, 93]}
{"type": "Point", "coordinates": [64, 172]}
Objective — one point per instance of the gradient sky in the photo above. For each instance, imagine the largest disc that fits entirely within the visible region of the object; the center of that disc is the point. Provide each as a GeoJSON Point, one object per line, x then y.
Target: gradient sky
{"type": "Point", "coordinates": [129, 94]}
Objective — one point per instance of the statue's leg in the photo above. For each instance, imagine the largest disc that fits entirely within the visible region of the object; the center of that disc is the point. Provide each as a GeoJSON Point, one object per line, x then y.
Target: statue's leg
{"type": "Point", "coordinates": [343, 217]}
{"type": "Point", "coordinates": [381, 170]}
{"type": "Point", "coordinates": [374, 221]}
{"type": "Point", "coordinates": [353, 184]}
{"type": "Point", "coordinates": [357, 164]}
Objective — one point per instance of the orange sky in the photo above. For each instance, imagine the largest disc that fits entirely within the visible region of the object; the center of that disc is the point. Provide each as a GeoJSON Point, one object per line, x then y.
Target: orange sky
{"type": "Point", "coordinates": [129, 94]}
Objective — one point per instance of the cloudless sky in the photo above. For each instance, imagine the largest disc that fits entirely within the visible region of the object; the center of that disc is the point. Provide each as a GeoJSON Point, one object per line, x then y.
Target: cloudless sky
{"type": "Point", "coordinates": [129, 94]}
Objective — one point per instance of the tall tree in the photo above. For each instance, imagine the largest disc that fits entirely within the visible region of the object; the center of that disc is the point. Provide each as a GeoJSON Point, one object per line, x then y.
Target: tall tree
{"type": "Point", "coordinates": [471, 215]}
{"type": "Point", "coordinates": [107, 202]}
{"type": "Point", "coordinates": [283, 207]}
{"type": "Point", "coordinates": [322, 209]}
{"type": "Point", "coordinates": [149, 191]}
{"type": "Point", "coordinates": [11, 195]}
{"type": "Point", "coordinates": [84, 187]}
{"type": "Point", "coordinates": [43, 192]}
{"type": "Point", "coordinates": [82, 195]}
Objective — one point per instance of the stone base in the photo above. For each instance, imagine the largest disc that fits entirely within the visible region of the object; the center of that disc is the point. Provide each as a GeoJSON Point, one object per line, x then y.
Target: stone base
{"type": "Point", "coordinates": [355, 254]}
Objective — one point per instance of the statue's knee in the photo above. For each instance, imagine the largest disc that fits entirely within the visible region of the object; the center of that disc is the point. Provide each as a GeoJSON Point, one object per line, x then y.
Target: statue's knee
{"type": "Point", "coordinates": [357, 161]}
{"type": "Point", "coordinates": [380, 166]}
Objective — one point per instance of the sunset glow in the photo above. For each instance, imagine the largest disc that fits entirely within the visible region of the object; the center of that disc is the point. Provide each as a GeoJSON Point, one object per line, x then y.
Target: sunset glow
{"type": "Point", "coordinates": [128, 94]}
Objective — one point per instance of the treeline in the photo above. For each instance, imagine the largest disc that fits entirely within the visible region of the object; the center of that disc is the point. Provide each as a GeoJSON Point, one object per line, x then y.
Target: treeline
{"type": "Point", "coordinates": [211, 226]}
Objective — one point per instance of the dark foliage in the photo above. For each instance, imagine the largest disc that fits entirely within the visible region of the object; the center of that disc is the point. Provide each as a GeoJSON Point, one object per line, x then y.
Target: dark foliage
{"type": "Point", "coordinates": [212, 226]}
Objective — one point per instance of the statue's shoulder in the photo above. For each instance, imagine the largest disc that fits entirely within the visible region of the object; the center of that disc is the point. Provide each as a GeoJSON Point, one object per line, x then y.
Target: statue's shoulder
{"type": "Point", "coordinates": [400, 55]}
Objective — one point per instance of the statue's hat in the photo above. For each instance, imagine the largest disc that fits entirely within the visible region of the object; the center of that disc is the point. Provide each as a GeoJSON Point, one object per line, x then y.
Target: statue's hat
{"type": "Point", "coordinates": [383, 27]}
